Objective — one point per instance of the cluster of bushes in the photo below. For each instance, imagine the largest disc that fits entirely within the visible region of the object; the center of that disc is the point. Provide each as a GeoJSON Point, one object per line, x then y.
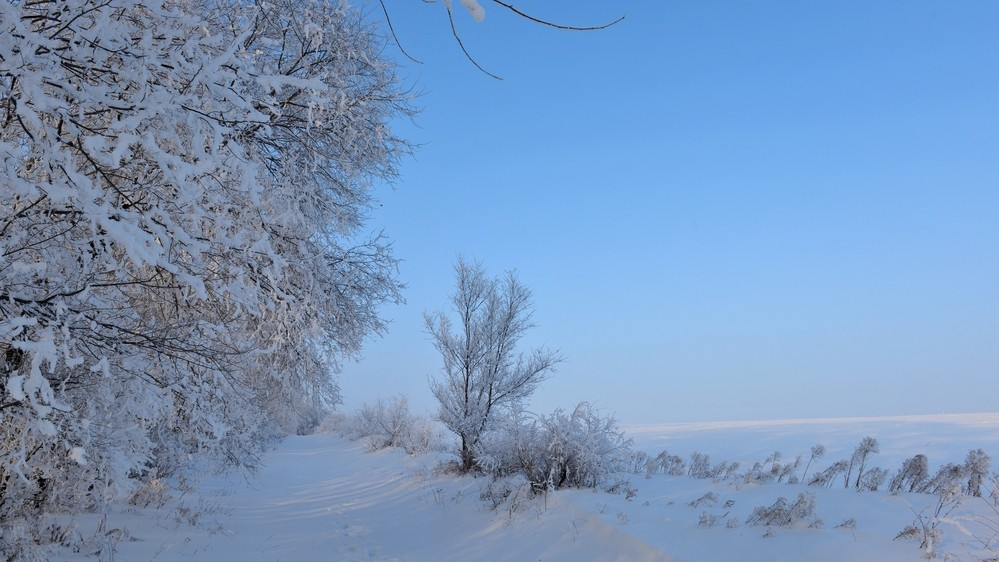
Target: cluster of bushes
{"type": "Point", "coordinates": [529, 454]}
{"type": "Point", "coordinates": [579, 449]}
{"type": "Point", "coordinates": [783, 512]}
{"type": "Point", "coordinates": [855, 472]}
{"type": "Point", "coordinates": [565, 449]}
{"type": "Point", "coordinates": [389, 423]}
{"type": "Point", "coordinates": [912, 476]}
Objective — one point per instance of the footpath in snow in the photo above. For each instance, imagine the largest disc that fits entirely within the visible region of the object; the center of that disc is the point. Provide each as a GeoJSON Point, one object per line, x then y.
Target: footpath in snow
{"type": "Point", "coordinates": [324, 498]}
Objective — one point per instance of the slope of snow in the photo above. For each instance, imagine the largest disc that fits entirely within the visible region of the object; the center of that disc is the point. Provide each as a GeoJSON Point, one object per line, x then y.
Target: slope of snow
{"type": "Point", "coordinates": [324, 498]}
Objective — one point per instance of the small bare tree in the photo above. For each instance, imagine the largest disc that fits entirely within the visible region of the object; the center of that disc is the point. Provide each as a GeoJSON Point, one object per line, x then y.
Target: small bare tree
{"type": "Point", "coordinates": [482, 370]}
{"type": "Point", "coordinates": [817, 452]}
{"type": "Point", "coordinates": [867, 446]}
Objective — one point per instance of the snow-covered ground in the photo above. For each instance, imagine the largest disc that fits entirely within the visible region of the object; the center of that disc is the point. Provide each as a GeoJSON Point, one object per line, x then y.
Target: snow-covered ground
{"type": "Point", "coordinates": [324, 498]}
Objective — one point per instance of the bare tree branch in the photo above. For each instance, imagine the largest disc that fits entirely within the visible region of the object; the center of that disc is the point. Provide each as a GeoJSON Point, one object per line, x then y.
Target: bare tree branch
{"type": "Point", "coordinates": [454, 31]}
{"type": "Point", "coordinates": [525, 15]}
{"type": "Point", "coordinates": [395, 38]}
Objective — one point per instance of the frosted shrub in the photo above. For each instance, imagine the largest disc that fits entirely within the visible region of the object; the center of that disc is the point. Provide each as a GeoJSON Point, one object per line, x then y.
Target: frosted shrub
{"type": "Point", "coordinates": [710, 520]}
{"type": "Point", "coordinates": [912, 476]}
{"type": "Point", "coordinates": [723, 470]}
{"type": "Point", "coordinates": [384, 423]}
{"type": "Point", "coordinates": [787, 471]}
{"type": "Point", "coordinates": [425, 436]}
{"type": "Point", "coordinates": [826, 477]}
{"type": "Point", "coordinates": [782, 513]}
{"type": "Point", "coordinates": [926, 527]}
{"type": "Point", "coordinates": [818, 451]}
{"type": "Point", "coordinates": [976, 466]}
{"type": "Point", "coordinates": [672, 465]}
{"type": "Point", "coordinates": [389, 423]}
{"type": "Point", "coordinates": [559, 450]}
{"type": "Point", "coordinates": [665, 463]}
{"type": "Point", "coordinates": [709, 498]}
{"type": "Point", "coordinates": [501, 491]}
{"type": "Point", "coordinates": [772, 469]}
{"type": "Point", "coordinates": [18, 543]}
{"type": "Point", "coordinates": [872, 479]}
{"type": "Point", "coordinates": [700, 465]}
{"type": "Point", "coordinates": [867, 447]}
{"type": "Point", "coordinates": [154, 492]}
{"type": "Point", "coordinates": [947, 478]}
{"type": "Point", "coordinates": [583, 446]}
{"type": "Point", "coordinates": [641, 462]}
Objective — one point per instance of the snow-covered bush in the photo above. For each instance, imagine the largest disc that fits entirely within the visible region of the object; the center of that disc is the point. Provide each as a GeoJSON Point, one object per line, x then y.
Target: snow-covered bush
{"type": "Point", "coordinates": [384, 423]}
{"type": "Point", "coordinates": [723, 470]}
{"type": "Point", "coordinates": [709, 498]}
{"type": "Point", "coordinates": [641, 462]}
{"type": "Point", "coordinates": [773, 469]}
{"type": "Point", "coordinates": [976, 467]}
{"type": "Point", "coordinates": [389, 423]}
{"type": "Point", "coordinates": [426, 436]}
{"type": "Point", "coordinates": [948, 477]}
{"type": "Point", "coordinates": [560, 450]}
{"type": "Point", "coordinates": [826, 477]}
{"type": "Point", "coordinates": [783, 513]}
{"type": "Point", "coordinates": [700, 465]}
{"type": "Point", "coordinates": [912, 476]}
{"type": "Point", "coordinates": [926, 527]}
{"type": "Point", "coordinates": [872, 479]}
{"type": "Point", "coordinates": [867, 447]}
{"type": "Point", "coordinates": [672, 465]}
{"type": "Point", "coordinates": [817, 452]}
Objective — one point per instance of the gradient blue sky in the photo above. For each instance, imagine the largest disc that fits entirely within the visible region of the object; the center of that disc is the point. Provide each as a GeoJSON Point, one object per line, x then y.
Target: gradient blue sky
{"type": "Point", "coordinates": [726, 210]}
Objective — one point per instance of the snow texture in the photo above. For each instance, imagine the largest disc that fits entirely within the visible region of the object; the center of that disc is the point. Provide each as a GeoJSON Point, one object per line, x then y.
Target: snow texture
{"type": "Point", "coordinates": [321, 498]}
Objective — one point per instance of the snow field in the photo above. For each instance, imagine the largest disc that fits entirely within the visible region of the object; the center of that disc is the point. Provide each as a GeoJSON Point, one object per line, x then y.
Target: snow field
{"type": "Point", "coordinates": [322, 497]}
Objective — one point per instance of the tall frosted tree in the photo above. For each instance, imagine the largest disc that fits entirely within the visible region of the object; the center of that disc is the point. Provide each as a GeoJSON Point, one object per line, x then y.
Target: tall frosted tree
{"type": "Point", "coordinates": [483, 372]}
{"type": "Point", "coordinates": [183, 260]}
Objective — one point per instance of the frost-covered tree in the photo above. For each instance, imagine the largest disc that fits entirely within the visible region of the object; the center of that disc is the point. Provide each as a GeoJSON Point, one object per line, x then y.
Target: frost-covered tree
{"type": "Point", "coordinates": [911, 477]}
{"type": "Point", "coordinates": [672, 465]}
{"type": "Point", "coordinates": [783, 513]}
{"type": "Point", "coordinates": [483, 373]}
{"type": "Point", "coordinates": [700, 465]}
{"type": "Point", "coordinates": [182, 256]}
{"type": "Point", "coordinates": [872, 479]}
{"type": "Point", "coordinates": [867, 446]}
{"type": "Point", "coordinates": [826, 477]}
{"type": "Point", "coordinates": [818, 451]}
{"type": "Point", "coordinates": [948, 477]}
{"type": "Point", "coordinates": [976, 466]}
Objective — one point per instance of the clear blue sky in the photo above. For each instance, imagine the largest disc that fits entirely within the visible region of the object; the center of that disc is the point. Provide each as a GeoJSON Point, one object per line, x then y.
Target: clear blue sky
{"type": "Point", "coordinates": [726, 210]}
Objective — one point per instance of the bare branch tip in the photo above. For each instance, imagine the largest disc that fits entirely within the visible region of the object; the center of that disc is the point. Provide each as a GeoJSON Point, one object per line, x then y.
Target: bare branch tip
{"type": "Point", "coordinates": [454, 32]}
{"type": "Point", "coordinates": [395, 38]}
{"type": "Point", "coordinates": [527, 16]}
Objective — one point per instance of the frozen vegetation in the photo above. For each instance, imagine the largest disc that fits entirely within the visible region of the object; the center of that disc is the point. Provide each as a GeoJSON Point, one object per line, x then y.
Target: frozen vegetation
{"type": "Point", "coordinates": [184, 265]}
{"type": "Point", "coordinates": [184, 261]}
{"type": "Point", "coordinates": [324, 496]}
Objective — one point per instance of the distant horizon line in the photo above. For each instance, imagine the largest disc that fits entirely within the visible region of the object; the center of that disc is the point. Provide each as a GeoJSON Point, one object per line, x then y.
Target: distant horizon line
{"type": "Point", "coordinates": [984, 418]}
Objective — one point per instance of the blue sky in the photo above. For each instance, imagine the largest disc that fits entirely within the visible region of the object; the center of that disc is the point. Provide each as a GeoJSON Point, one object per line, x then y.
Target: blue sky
{"type": "Point", "coordinates": [725, 210]}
